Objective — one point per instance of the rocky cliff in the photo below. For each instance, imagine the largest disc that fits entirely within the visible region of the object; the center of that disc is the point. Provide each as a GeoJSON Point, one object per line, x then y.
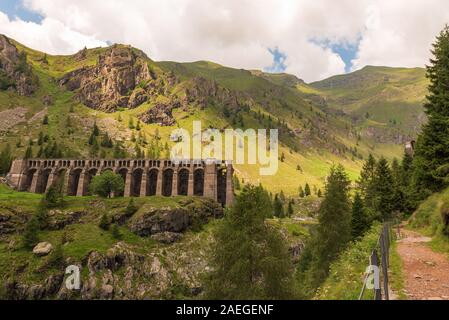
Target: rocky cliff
{"type": "Point", "coordinates": [15, 73]}
{"type": "Point", "coordinates": [120, 79]}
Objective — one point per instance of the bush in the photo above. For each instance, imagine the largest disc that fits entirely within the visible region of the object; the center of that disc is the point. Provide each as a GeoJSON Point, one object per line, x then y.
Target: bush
{"type": "Point", "coordinates": [54, 197]}
{"type": "Point", "coordinates": [104, 222]}
{"type": "Point", "coordinates": [30, 236]}
{"type": "Point", "coordinates": [56, 258]}
{"type": "Point", "coordinates": [116, 232]}
{"type": "Point", "coordinates": [107, 183]}
{"type": "Point", "coordinates": [130, 208]}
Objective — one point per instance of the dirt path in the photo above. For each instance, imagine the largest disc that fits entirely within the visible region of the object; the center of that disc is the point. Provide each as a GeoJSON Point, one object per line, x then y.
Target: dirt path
{"type": "Point", "coordinates": [426, 273]}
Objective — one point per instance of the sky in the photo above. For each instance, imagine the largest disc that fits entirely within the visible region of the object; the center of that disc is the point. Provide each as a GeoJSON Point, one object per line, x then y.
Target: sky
{"type": "Point", "coordinates": [310, 39]}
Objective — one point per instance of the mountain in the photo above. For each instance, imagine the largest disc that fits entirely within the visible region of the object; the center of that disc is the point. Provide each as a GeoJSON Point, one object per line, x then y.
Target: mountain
{"type": "Point", "coordinates": [54, 102]}
{"type": "Point", "coordinates": [385, 104]}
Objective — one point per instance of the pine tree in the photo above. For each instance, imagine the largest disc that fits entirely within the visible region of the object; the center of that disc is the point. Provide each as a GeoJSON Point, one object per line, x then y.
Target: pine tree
{"type": "Point", "coordinates": [45, 120]}
{"type": "Point", "coordinates": [334, 229]}
{"type": "Point", "coordinates": [95, 130]}
{"type": "Point", "coordinates": [116, 232]}
{"type": "Point", "coordinates": [250, 258]}
{"type": "Point", "coordinates": [307, 191]}
{"type": "Point", "coordinates": [104, 222]}
{"type": "Point", "coordinates": [5, 159]}
{"type": "Point", "coordinates": [130, 208]}
{"type": "Point", "coordinates": [319, 193]}
{"type": "Point", "coordinates": [301, 192]}
{"type": "Point", "coordinates": [290, 210]}
{"type": "Point", "coordinates": [131, 123]}
{"type": "Point", "coordinates": [278, 207]}
{"type": "Point", "coordinates": [28, 153]}
{"type": "Point", "coordinates": [365, 183]}
{"type": "Point", "coordinates": [360, 221]}
{"type": "Point", "coordinates": [41, 215]}
{"type": "Point", "coordinates": [40, 139]}
{"type": "Point", "coordinates": [383, 202]}
{"type": "Point", "coordinates": [431, 158]}
{"type": "Point", "coordinates": [30, 236]}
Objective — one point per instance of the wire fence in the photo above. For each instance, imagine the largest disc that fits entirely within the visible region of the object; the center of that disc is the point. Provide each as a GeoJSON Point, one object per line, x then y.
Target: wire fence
{"type": "Point", "coordinates": [376, 278]}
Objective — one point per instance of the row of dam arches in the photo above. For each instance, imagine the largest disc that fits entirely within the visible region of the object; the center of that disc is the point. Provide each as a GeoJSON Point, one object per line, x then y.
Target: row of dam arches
{"type": "Point", "coordinates": [139, 182]}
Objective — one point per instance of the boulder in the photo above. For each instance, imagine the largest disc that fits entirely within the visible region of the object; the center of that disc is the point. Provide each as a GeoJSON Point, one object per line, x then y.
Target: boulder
{"type": "Point", "coordinates": [42, 249]}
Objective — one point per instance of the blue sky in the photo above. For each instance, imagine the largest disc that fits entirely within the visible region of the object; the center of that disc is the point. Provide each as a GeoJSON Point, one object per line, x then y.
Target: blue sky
{"type": "Point", "coordinates": [347, 53]}
{"type": "Point", "coordinates": [14, 8]}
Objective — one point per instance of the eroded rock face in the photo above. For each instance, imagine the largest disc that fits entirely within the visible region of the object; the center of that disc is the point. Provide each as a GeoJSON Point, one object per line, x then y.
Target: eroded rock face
{"type": "Point", "coordinates": [15, 73]}
{"type": "Point", "coordinates": [160, 114]}
{"type": "Point", "coordinates": [155, 220]}
{"type": "Point", "coordinates": [149, 220]}
{"type": "Point", "coordinates": [202, 91]}
{"type": "Point", "coordinates": [112, 82]}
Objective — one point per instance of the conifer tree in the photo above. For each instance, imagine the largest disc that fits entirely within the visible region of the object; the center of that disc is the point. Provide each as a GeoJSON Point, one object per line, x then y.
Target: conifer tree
{"type": "Point", "coordinates": [250, 259]}
{"type": "Point", "coordinates": [28, 153]}
{"type": "Point", "coordinates": [278, 207]}
{"type": "Point", "coordinates": [104, 222]}
{"type": "Point", "coordinates": [30, 236]}
{"type": "Point", "coordinates": [5, 159]}
{"type": "Point", "coordinates": [95, 130]}
{"type": "Point", "coordinates": [301, 192]}
{"type": "Point", "coordinates": [290, 209]}
{"type": "Point", "coordinates": [307, 191]}
{"type": "Point", "coordinates": [116, 232]}
{"type": "Point", "coordinates": [360, 221]}
{"type": "Point", "coordinates": [365, 183]}
{"type": "Point", "coordinates": [333, 232]}
{"type": "Point", "coordinates": [130, 208]}
{"type": "Point", "coordinates": [431, 158]}
{"type": "Point", "coordinates": [383, 202]}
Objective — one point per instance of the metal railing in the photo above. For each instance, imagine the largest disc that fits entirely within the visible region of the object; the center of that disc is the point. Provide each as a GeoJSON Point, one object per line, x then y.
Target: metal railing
{"type": "Point", "coordinates": [377, 272]}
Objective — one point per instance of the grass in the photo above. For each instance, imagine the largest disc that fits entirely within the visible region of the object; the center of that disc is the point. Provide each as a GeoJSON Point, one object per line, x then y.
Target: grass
{"type": "Point", "coordinates": [396, 276]}
{"type": "Point", "coordinates": [427, 220]}
{"type": "Point", "coordinates": [346, 275]}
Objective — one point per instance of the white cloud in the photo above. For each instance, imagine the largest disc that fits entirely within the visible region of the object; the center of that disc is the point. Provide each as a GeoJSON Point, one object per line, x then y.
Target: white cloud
{"type": "Point", "coordinates": [51, 36]}
{"type": "Point", "coordinates": [238, 33]}
{"type": "Point", "coordinates": [400, 33]}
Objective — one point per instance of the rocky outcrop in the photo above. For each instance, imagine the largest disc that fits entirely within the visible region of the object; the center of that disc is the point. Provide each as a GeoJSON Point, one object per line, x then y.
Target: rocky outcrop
{"type": "Point", "coordinates": [203, 91]}
{"type": "Point", "coordinates": [149, 220]}
{"type": "Point", "coordinates": [166, 237]}
{"type": "Point", "coordinates": [160, 114]}
{"type": "Point", "coordinates": [118, 80]}
{"type": "Point", "coordinates": [15, 72]}
{"type": "Point", "coordinates": [157, 220]}
{"type": "Point", "coordinates": [21, 291]}
{"type": "Point", "coordinates": [59, 219]}
{"type": "Point", "coordinates": [11, 221]}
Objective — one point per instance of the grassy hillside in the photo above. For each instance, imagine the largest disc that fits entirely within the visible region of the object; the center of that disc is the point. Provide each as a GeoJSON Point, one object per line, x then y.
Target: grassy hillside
{"type": "Point", "coordinates": [312, 138]}
{"type": "Point", "coordinates": [428, 219]}
{"type": "Point", "coordinates": [158, 270]}
{"type": "Point", "coordinates": [377, 98]}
